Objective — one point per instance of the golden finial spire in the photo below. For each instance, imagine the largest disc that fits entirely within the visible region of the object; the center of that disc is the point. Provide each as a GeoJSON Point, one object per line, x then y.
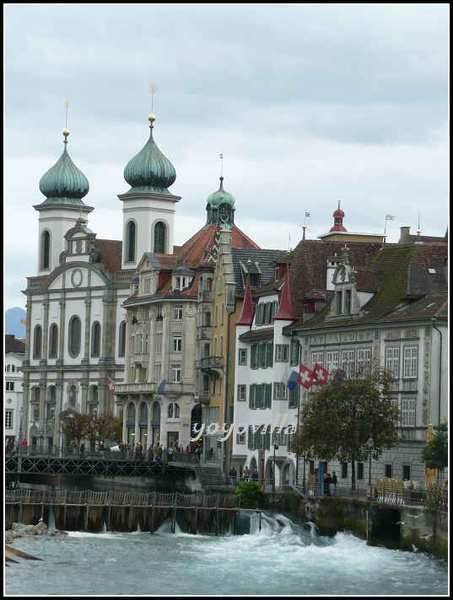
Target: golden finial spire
{"type": "Point", "coordinates": [66, 130]}
{"type": "Point", "coordinates": [152, 116]}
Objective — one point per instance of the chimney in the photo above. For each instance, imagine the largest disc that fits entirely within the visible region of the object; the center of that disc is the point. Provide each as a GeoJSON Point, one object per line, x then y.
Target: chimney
{"type": "Point", "coordinates": [404, 235]}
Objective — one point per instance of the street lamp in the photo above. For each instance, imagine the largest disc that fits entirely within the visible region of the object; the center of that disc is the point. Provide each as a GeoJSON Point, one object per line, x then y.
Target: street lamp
{"type": "Point", "coordinates": [273, 470]}
{"type": "Point", "coordinates": [370, 444]}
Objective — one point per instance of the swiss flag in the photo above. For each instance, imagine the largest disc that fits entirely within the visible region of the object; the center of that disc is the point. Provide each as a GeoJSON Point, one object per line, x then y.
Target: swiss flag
{"type": "Point", "coordinates": [305, 376]}
{"type": "Point", "coordinates": [110, 385]}
{"type": "Point", "coordinates": [320, 374]}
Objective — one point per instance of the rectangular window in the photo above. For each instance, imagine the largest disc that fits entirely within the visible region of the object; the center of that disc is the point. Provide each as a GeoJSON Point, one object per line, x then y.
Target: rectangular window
{"type": "Point", "coordinates": [388, 471]}
{"type": "Point", "coordinates": [363, 362]}
{"type": "Point", "coordinates": [347, 361]}
{"type": "Point", "coordinates": [240, 437]}
{"type": "Point", "coordinates": [392, 360]}
{"type": "Point", "coordinates": [408, 412]}
{"type": "Point", "coordinates": [10, 386]}
{"type": "Point", "coordinates": [360, 470]}
{"type": "Point", "coordinates": [293, 397]}
{"type": "Point", "coordinates": [267, 395]}
{"type": "Point", "coordinates": [347, 301]}
{"type": "Point", "coordinates": [317, 357]}
{"type": "Point", "coordinates": [339, 302]}
{"type": "Point", "coordinates": [331, 360]}
{"type": "Point", "coordinates": [159, 342]}
{"type": "Point", "coordinates": [406, 472]}
{"type": "Point", "coordinates": [176, 373]}
{"type": "Point", "coordinates": [344, 470]}
{"type": "Point", "coordinates": [279, 391]}
{"type": "Point", "coordinates": [242, 393]}
{"type": "Point", "coordinates": [253, 353]}
{"type": "Point", "coordinates": [295, 353]}
{"type": "Point", "coordinates": [177, 312]}
{"type": "Point", "coordinates": [282, 352]}
{"type": "Point", "coordinates": [410, 368]}
{"type": "Point", "coordinates": [269, 354]}
{"type": "Point", "coordinates": [177, 342]}
{"type": "Point", "coordinates": [242, 356]}
{"type": "Point", "coordinates": [9, 418]}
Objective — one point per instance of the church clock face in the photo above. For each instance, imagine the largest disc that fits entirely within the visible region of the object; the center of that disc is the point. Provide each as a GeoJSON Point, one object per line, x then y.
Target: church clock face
{"type": "Point", "coordinates": [224, 213]}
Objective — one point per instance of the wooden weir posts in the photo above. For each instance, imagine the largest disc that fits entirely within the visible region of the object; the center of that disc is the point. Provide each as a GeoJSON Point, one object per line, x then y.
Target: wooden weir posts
{"type": "Point", "coordinates": [125, 511]}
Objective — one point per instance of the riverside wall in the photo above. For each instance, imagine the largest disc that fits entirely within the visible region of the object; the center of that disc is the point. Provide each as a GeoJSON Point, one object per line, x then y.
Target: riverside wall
{"type": "Point", "coordinates": [396, 527]}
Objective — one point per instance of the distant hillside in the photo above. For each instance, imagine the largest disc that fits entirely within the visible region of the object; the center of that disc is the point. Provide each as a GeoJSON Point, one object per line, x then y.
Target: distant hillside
{"type": "Point", "coordinates": [13, 325]}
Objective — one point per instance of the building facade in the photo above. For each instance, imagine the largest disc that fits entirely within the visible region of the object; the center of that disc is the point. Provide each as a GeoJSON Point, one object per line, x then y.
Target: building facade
{"type": "Point", "coordinates": [351, 307]}
{"type": "Point", "coordinates": [14, 355]}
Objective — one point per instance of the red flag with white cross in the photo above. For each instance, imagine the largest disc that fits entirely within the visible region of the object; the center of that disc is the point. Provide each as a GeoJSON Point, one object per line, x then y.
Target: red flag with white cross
{"type": "Point", "coordinates": [110, 385]}
{"type": "Point", "coordinates": [320, 374]}
{"type": "Point", "coordinates": [305, 376]}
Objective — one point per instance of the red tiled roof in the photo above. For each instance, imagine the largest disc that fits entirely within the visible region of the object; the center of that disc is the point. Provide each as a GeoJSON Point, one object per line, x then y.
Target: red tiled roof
{"type": "Point", "coordinates": [110, 253]}
{"type": "Point", "coordinates": [246, 317]}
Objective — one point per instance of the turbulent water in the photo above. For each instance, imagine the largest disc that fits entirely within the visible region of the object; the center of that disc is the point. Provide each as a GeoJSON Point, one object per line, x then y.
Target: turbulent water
{"type": "Point", "coordinates": [281, 559]}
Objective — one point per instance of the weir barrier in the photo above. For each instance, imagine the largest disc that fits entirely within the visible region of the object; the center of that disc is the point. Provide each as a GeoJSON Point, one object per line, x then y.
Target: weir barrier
{"type": "Point", "coordinates": [91, 511]}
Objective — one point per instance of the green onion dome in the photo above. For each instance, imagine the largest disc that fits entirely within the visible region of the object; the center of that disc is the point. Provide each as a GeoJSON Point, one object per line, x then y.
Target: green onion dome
{"type": "Point", "coordinates": [64, 183]}
{"type": "Point", "coordinates": [220, 197]}
{"type": "Point", "coordinates": [150, 170]}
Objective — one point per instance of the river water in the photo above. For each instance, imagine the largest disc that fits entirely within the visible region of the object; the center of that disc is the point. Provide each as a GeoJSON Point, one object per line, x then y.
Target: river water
{"type": "Point", "coordinates": [281, 559]}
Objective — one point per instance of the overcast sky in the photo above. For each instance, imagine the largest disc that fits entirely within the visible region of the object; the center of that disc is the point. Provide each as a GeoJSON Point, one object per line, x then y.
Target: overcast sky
{"type": "Point", "coordinates": [309, 103]}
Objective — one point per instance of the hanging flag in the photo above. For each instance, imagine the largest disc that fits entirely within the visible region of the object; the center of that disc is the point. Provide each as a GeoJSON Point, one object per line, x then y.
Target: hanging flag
{"type": "Point", "coordinates": [339, 376]}
{"type": "Point", "coordinates": [305, 377]}
{"type": "Point", "coordinates": [390, 217]}
{"type": "Point", "coordinates": [320, 374]}
{"type": "Point", "coordinates": [161, 387]}
{"type": "Point", "coordinates": [110, 385]}
{"type": "Point", "coordinates": [292, 381]}
{"type": "Point", "coordinates": [23, 321]}
{"type": "Point", "coordinates": [307, 213]}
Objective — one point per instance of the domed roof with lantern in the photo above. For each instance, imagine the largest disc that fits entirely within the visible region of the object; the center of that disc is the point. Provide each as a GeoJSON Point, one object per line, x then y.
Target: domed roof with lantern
{"type": "Point", "coordinates": [64, 183]}
{"type": "Point", "coordinates": [150, 170]}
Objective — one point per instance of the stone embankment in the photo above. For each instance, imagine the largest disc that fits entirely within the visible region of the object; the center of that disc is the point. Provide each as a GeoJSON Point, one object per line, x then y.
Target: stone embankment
{"type": "Point", "coordinates": [19, 530]}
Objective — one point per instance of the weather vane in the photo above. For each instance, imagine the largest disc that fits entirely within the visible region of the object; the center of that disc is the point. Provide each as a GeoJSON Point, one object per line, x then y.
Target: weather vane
{"type": "Point", "coordinates": [152, 91]}
{"type": "Point", "coordinates": [221, 164]}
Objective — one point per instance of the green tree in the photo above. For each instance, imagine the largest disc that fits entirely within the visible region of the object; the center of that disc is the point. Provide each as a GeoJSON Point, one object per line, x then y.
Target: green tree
{"type": "Point", "coordinates": [435, 452]}
{"type": "Point", "coordinates": [337, 420]}
{"type": "Point", "coordinates": [107, 427]}
{"type": "Point", "coordinates": [75, 426]}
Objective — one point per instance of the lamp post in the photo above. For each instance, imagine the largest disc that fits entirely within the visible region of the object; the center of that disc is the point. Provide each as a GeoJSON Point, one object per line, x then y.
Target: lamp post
{"type": "Point", "coordinates": [273, 470]}
{"type": "Point", "coordinates": [370, 444]}
{"type": "Point", "coordinates": [303, 481]}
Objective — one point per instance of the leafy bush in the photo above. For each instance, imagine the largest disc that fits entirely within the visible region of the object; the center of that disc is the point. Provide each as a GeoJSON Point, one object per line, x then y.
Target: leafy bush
{"type": "Point", "coordinates": [249, 494]}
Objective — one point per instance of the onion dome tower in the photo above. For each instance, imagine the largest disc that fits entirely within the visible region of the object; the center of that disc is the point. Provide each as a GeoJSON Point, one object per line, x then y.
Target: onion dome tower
{"type": "Point", "coordinates": [220, 207]}
{"type": "Point", "coordinates": [64, 186]}
{"type": "Point", "coordinates": [338, 216]}
{"type": "Point", "coordinates": [148, 206]}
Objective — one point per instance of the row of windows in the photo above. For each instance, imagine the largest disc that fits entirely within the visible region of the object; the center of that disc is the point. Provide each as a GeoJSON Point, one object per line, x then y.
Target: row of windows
{"type": "Point", "coordinates": [74, 339]}
{"type": "Point", "coordinates": [388, 470]}
{"type": "Point", "coordinates": [358, 361]}
{"type": "Point", "coordinates": [173, 412]}
{"type": "Point", "coordinates": [263, 437]}
{"type": "Point", "coordinates": [260, 394]}
{"type": "Point", "coordinates": [11, 368]}
{"type": "Point", "coordinates": [160, 239]}
{"type": "Point", "coordinates": [261, 354]}
{"type": "Point", "coordinates": [265, 312]}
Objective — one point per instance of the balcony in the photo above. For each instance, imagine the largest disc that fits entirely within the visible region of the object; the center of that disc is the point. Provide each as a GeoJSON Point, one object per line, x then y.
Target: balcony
{"type": "Point", "coordinates": [204, 332]}
{"type": "Point", "coordinates": [211, 364]}
{"type": "Point", "coordinates": [150, 388]}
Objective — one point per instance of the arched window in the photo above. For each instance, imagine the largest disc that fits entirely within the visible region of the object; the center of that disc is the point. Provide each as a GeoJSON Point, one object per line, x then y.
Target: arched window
{"type": "Point", "coordinates": [45, 250]}
{"type": "Point", "coordinates": [130, 415]}
{"type": "Point", "coordinates": [37, 342]}
{"type": "Point", "coordinates": [74, 337]}
{"type": "Point", "coordinates": [159, 237]}
{"type": "Point", "coordinates": [53, 341]}
{"type": "Point", "coordinates": [170, 411]}
{"type": "Point", "coordinates": [96, 339]}
{"type": "Point", "coordinates": [143, 414]}
{"type": "Point", "coordinates": [177, 411]}
{"type": "Point", "coordinates": [122, 339]}
{"type": "Point", "coordinates": [130, 241]}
